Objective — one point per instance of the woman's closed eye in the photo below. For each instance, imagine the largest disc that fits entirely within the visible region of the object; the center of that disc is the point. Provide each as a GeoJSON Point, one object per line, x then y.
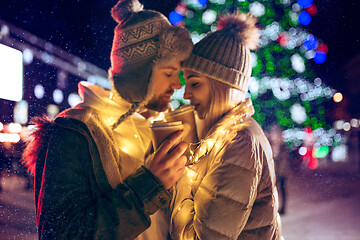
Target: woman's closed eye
{"type": "Point", "coordinates": [195, 84]}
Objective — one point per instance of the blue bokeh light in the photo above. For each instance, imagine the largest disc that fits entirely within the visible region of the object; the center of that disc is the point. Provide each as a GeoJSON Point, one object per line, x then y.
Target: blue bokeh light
{"type": "Point", "coordinates": [320, 57]}
{"type": "Point", "coordinates": [304, 18]}
{"type": "Point", "coordinates": [202, 3]}
{"type": "Point", "coordinates": [310, 42]}
{"type": "Point", "coordinates": [305, 3]}
{"type": "Point", "coordinates": [175, 17]}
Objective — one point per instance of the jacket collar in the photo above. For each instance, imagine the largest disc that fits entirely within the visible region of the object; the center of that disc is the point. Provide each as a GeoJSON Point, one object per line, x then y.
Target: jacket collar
{"type": "Point", "coordinates": [108, 103]}
{"type": "Point", "coordinates": [224, 130]}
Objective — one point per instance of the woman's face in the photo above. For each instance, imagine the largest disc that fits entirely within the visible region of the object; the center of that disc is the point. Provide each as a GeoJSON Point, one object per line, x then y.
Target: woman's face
{"type": "Point", "coordinates": [197, 90]}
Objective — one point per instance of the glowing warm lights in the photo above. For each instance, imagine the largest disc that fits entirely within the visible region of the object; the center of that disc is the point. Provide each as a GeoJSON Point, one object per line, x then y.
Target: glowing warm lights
{"type": "Point", "coordinates": [339, 124]}
{"type": "Point", "coordinates": [4, 30]}
{"type": "Point", "coordinates": [317, 81]}
{"type": "Point", "coordinates": [298, 113]}
{"type": "Point", "coordinates": [220, 2]}
{"type": "Point", "coordinates": [1, 126]}
{"type": "Point", "coordinates": [209, 17]}
{"type": "Point", "coordinates": [338, 97]}
{"type": "Point", "coordinates": [52, 110]}
{"type": "Point", "coordinates": [294, 17]}
{"type": "Point", "coordinates": [271, 31]}
{"type": "Point", "coordinates": [47, 58]}
{"type": "Point", "coordinates": [285, 2]}
{"type": "Point", "coordinates": [81, 66]}
{"type": "Point", "coordinates": [257, 9]}
{"type": "Point", "coordinates": [9, 137]}
{"type": "Point", "coordinates": [14, 127]}
{"type": "Point", "coordinates": [339, 153]}
{"type": "Point", "coordinates": [302, 151]}
{"type": "Point", "coordinates": [21, 110]}
{"type": "Point", "coordinates": [354, 123]}
{"type": "Point", "coordinates": [297, 63]}
{"type": "Point", "coordinates": [346, 126]}
{"type": "Point", "coordinates": [124, 149]}
{"type": "Point", "coordinates": [39, 91]}
{"type": "Point", "coordinates": [196, 37]}
{"type": "Point", "coordinates": [28, 56]}
{"type": "Point", "coordinates": [99, 80]}
{"type": "Point", "coordinates": [253, 59]}
{"type": "Point", "coordinates": [310, 54]}
{"type": "Point", "coordinates": [254, 86]}
{"type": "Point", "coordinates": [74, 99]}
{"type": "Point", "coordinates": [210, 143]}
{"type": "Point", "coordinates": [191, 174]}
{"type": "Point", "coordinates": [322, 137]}
{"type": "Point", "coordinates": [58, 96]}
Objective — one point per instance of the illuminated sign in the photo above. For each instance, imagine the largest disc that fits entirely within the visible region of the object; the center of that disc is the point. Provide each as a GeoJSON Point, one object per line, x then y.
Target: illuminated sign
{"type": "Point", "coordinates": [11, 73]}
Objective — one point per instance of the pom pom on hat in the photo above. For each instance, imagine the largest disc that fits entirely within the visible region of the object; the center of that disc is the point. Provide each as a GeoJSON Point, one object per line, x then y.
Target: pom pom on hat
{"type": "Point", "coordinates": [224, 55]}
{"type": "Point", "coordinates": [124, 8]}
{"type": "Point", "coordinates": [244, 26]}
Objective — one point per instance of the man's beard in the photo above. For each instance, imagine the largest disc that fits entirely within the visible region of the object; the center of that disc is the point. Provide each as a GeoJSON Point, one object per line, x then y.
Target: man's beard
{"type": "Point", "coordinates": [158, 104]}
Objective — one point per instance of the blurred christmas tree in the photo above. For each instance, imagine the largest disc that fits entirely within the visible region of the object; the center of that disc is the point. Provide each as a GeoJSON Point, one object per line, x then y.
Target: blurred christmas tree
{"type": "Point", "coordinates": [284, 87]}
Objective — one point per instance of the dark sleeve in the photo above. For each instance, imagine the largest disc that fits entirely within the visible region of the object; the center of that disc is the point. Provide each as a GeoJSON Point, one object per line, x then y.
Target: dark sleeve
{"type": "Point", "coordinates": [70, 204]}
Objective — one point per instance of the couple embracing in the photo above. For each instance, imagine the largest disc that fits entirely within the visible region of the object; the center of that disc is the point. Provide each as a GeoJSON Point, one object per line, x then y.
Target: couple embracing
{"type": "Point", "coordinates": [93, 176]}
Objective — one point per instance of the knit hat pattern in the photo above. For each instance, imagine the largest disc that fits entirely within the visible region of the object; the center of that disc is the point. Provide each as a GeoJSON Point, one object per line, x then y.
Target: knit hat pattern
{"type": "Point", "coordinates": [138, 42]}
{"type": "Point", "coordinates": [224, 55]}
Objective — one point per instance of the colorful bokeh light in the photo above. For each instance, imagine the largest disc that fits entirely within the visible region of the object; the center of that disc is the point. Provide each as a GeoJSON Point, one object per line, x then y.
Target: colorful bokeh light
{"type": "Point", "coordinates": [304, 18]}
{"type": "Point", "coordinates": [175, 18]}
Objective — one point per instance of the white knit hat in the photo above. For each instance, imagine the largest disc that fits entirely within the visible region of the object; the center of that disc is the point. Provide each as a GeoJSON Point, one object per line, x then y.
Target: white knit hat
{"type": "Point", "coordinates": [224, 55]}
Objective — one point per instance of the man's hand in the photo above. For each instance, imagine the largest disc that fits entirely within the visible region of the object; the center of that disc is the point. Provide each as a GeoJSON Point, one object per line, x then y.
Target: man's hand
{"type": "Point", "coordinates": [168, 166]}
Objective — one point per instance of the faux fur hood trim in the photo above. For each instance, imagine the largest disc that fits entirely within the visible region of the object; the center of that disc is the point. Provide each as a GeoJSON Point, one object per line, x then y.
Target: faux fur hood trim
{"type": "Point", "coordinates": [44, 128]}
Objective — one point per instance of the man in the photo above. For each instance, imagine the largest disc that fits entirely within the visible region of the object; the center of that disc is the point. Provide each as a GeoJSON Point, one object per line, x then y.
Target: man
{"type": "Point", "coordinates": [90, 182]}
{"type": "Point", "coordinates": [281, 157]}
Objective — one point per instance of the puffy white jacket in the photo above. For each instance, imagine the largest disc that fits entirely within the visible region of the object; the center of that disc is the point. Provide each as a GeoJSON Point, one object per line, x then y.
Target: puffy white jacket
{"type": "Point", "coordinates": [229, 192]}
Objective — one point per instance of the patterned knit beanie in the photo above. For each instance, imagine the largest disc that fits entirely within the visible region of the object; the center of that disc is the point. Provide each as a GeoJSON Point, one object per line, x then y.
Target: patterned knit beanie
{"type": "Point", "coordinates": [224, 55]}
{"type": "Point", "coordinates": [142, 39]}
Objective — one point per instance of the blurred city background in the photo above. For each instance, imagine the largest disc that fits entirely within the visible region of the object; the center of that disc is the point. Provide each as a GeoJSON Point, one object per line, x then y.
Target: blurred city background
{"type": "Point", "coordinates": [304, 88]}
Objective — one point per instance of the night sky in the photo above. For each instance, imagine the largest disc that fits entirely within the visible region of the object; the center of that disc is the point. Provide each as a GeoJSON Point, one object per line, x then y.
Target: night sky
{"type": "Point", "coordinates": [85, 28]}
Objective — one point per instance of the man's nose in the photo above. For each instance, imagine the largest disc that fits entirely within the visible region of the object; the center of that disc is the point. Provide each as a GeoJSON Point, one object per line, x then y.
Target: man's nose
{"type": "Point", "coordinates": [175, 83]}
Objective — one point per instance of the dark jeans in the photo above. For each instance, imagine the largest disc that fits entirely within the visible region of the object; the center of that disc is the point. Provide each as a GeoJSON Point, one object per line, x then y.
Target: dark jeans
{"type": "Point", "coordinates": [281, 182]}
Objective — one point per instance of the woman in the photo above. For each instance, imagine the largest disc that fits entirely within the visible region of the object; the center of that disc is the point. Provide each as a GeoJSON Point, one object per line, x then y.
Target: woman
{"type": "Point", "coordinates": [229, 190]}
